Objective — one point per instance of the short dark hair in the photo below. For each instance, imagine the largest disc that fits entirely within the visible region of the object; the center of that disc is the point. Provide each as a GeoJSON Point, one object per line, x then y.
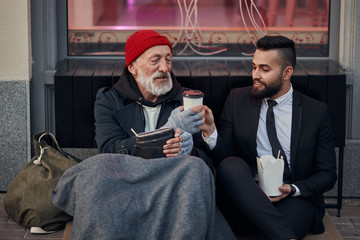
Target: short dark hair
{"type": "Point", "coordinates": [284, 45]}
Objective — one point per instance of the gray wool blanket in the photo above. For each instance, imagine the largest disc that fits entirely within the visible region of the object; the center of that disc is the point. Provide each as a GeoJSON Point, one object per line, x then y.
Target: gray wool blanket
{"type": "Point", "coordinates": [115, 196]}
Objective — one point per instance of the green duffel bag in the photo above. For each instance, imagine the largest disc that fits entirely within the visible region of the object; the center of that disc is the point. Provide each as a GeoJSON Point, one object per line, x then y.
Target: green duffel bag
{"type": "Point", "coordinates": [28, 199]}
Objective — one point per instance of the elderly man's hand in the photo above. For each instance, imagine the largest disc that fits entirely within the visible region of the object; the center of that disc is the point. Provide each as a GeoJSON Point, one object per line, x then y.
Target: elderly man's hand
{"type": "Point", "coordinates": [181, 144]}
{"type": "Point", "coordinates": [189, 120]}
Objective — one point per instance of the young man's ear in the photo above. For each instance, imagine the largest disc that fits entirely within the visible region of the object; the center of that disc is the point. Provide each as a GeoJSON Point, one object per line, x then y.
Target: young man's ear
{"type": "Point", "coordinates": [287, 73]}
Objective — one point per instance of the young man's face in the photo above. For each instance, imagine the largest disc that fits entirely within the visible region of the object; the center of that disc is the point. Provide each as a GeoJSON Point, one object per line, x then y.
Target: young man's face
{"type": "Point", "coordinates": [267, 74]}
{"type": "Point", "coordinates": [152, 70]}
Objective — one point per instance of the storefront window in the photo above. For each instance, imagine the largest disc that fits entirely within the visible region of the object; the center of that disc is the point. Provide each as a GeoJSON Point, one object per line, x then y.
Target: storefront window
{"type": "Point", "coordinates": [226, 28]}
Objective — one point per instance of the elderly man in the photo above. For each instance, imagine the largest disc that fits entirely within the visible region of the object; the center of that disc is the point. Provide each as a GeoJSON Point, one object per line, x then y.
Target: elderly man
{"type": "Point", "coordinates": [143, 99]}
{"type": "Point", "coordinates": [120, 196]}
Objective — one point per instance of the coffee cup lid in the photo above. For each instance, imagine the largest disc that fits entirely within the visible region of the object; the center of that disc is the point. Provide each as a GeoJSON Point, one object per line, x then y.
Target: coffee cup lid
{"type": "Point", "coordinates": [193, 94]}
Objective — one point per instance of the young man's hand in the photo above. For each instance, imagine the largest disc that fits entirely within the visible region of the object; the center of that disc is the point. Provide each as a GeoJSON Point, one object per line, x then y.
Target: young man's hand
{"type": "Point", "coordinates": [208, 119]}
{"type": "Point", "coordinates": [285, 190]}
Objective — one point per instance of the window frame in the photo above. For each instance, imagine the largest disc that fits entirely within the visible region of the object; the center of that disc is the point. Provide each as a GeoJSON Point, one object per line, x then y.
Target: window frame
{"type": "Point", "coordinates": [62, 37]}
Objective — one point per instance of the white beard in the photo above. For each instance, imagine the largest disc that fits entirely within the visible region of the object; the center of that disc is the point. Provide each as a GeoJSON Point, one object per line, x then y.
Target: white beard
{"type": "Point", "coordinates": [150, 85]}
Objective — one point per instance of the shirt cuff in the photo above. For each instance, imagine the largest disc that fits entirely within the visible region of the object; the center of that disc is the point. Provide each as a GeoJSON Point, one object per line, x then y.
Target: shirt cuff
{"type": "Point", "coordinates": [211, 140]}
{"type": "Point", "coordinates": [297, 193]}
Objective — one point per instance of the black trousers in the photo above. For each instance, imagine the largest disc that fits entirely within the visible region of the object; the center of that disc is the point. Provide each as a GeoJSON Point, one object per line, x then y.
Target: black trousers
{"type": "Point", "coordinates": [249, 211]}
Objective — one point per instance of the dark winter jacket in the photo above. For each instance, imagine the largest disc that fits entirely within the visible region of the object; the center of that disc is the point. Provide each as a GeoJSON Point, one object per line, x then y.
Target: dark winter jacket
{"type": "Point", "coordinates": [118, 109]}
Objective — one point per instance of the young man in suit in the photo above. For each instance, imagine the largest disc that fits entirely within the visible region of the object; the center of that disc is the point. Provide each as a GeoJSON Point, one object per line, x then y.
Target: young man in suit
{"type": "Point", "coordinates": [303, 134]}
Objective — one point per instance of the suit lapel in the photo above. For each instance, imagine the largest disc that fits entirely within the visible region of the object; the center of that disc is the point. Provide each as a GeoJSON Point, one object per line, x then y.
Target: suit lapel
{"type": "Point", "coordinates": [295, 127]}
{"type": "Point", "coordinates": [255, 115]}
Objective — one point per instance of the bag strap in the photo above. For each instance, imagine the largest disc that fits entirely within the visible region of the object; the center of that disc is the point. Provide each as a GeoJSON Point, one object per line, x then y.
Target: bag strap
{"type": "Point", "coordinates": [42, 149]}
{"type": "Point", "coordinates": [38, 160]}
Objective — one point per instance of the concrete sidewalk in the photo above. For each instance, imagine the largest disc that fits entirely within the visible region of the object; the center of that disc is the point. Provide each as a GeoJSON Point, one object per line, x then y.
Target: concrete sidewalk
{"type": "Point", "coordinates": [348, 224]}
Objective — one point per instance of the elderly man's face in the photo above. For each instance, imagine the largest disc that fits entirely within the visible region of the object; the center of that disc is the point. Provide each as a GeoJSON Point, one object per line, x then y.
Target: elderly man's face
{"type": "Point", "coordinates": [152, 70]}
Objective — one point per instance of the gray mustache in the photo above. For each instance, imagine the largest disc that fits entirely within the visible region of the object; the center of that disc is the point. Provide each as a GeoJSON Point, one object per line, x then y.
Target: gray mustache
{"type": "Point", "coordinates": [161, 75]}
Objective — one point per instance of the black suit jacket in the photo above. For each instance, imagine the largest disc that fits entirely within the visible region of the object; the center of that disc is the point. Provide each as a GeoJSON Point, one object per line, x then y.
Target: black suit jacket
{"type": "Point", "coordinates": [312, 154]}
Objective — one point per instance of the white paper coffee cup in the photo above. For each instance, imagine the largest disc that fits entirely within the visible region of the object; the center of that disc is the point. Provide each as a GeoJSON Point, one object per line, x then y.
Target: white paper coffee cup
{"type": "Point", "coordinates": [192, 98]}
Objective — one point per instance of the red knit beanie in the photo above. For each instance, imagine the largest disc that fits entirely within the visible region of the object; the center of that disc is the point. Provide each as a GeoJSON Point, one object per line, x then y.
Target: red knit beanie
{"type": "Point", "coordinates": [141, 41]}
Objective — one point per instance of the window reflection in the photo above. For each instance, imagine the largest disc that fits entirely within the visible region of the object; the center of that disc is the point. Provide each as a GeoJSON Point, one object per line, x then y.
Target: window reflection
{"type": "Point", "coordinates": [198, 27]}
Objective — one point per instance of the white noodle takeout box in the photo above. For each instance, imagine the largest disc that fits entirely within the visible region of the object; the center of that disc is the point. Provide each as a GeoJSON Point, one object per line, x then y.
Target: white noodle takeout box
{"type": "Point", "coordinates": [270, 174]}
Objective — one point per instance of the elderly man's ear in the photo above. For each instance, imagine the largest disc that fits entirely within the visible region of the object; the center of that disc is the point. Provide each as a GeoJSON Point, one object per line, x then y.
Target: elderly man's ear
{"type": "Point", "coordinates": [132, 68]}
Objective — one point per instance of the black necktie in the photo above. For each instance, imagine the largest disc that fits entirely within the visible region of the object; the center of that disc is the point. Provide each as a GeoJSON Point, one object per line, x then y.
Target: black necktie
{"type": "Point", "coordinates": [274, 141]}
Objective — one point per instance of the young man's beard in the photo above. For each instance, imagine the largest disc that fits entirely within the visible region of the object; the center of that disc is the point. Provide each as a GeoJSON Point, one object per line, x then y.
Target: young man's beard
{"type": "Point", "coordinates": [157, 89]}
{"type": "Point", "coordinates": [269, 90]}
